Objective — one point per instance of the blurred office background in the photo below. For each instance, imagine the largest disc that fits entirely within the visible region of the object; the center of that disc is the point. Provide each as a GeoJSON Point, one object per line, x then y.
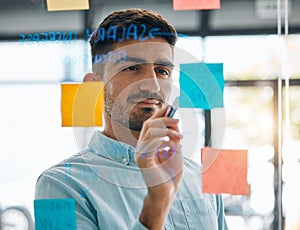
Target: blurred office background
{"type": "Point", "coordinates": [242, 34]}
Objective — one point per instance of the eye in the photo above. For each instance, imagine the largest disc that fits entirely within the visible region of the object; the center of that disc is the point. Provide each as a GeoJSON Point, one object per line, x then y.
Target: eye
{"type": "Point", "coordinates": [163, 71]}
{"type": "Point", "coordinates": [131, 68]}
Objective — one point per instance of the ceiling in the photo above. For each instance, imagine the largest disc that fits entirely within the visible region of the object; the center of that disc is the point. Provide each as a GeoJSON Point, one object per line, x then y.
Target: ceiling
{"type": "Point", "coordinates": [236, 17]}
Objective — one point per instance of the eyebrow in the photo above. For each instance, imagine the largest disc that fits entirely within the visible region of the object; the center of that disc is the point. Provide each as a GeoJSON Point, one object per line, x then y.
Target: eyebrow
{"type": "Point", "coordinates": [142, 61]}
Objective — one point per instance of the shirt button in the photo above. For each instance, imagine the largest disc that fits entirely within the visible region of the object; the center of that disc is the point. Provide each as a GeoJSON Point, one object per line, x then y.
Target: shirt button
{"type": "Point", "coordinates": [124, 160]}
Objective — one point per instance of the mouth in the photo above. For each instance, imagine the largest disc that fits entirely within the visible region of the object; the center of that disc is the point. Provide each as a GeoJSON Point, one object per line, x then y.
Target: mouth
{"type": "Point", "coordinates": [149, 102]}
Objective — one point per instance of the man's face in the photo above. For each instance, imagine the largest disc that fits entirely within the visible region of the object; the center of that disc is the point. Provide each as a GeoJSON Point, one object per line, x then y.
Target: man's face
{"type": "Point", "coordinates": [137, 86]}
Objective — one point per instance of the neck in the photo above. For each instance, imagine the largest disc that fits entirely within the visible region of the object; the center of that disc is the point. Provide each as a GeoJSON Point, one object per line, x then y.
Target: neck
{"type": "Point", "coordinates": [119, 132]}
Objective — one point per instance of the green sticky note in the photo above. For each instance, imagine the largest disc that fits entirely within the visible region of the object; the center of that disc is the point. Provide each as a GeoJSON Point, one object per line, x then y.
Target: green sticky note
{"type": "Point", "coordinates": [201, 85]}
{"type": "Point", "coordinates": [56, 214]}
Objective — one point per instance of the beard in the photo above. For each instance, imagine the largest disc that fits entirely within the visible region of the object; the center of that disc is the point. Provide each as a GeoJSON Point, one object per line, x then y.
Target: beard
{"type": "Point", "coordinates": [137, 118]}
{"type": "Point", "coordinates": [130, 117]}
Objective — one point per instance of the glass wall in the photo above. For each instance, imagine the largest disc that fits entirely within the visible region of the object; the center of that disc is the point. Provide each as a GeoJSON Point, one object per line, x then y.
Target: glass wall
{"type": "Point", "coordinates": [252, 65]}
{"type": "Point", "coordinates": [32, 138]}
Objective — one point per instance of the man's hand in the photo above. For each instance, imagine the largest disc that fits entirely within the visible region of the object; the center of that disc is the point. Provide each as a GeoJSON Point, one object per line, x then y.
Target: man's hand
{"type": "Point", "coordinates": [159, 159]}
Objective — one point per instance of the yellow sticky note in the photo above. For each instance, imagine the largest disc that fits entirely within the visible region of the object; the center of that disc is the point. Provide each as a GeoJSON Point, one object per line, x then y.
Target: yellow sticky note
{"type": "Point", "coordinates": [82, 104]}
{"type": "Point", "coordinates": [61, 5]}
{"type": "Point", "coordinates": [196, 4]}
{"type": "Point", "coordinates": [224, 171]}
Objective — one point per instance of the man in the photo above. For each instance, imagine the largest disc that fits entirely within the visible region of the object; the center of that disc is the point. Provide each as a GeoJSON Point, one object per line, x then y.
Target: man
{"type": "Point", "coordinates": [132, 175]}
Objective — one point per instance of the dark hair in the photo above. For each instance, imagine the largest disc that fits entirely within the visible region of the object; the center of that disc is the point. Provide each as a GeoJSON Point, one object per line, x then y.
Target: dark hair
{"type": "Point", "coordinates": [145, 22]}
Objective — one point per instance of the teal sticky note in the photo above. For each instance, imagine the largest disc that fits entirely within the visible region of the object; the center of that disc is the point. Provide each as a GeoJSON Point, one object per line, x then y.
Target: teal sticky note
{"type": "Point", "coordinates": [56, 214]}
{"type": "Point", "coordinates": [201, 85]}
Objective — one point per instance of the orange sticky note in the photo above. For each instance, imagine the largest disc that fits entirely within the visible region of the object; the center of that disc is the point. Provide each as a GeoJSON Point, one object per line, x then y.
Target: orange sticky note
{"type": "Point", "coordinates": [196, 4]}
{"type": "Point", "coordinates": [61, 5]}
{"type": "Point", "coordinates": [224, 171]}
{"type": "Point", "coordinates": [82, 104]}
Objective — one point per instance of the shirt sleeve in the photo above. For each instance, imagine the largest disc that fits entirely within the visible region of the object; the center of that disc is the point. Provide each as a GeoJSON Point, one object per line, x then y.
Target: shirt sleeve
{"type": "Point", "coordinates": [51, 186]}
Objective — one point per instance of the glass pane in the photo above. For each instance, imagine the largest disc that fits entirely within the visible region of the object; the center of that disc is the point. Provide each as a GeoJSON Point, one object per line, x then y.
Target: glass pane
{"type": "Point", "coordinates": [291, 159]}
{"type": "Point", "coordinates": [32, 139]}
{"type": "Point", "coordinates": [245, 57]}
{"type": "Point", "coordinates": [250, 125]}
{"type": "Point", "coordinates": [190, 50]}
{"type": "Point", "coordinates": [44, 61]}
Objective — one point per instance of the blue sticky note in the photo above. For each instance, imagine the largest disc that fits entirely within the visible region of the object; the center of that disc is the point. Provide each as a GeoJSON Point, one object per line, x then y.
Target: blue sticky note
{"type": "Point", "coordinates": [201, 85]}
{"type": "Point", "coordinates": [56, 214]}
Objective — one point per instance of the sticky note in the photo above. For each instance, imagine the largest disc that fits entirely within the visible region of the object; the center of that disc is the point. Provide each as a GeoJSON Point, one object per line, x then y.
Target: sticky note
{"type": "Point", "coordinates": [82, 104]}
{"type": "Point", "coordinates": [196, 4]}
{"type": "Point", "coordinates": [61, 5]}
{"type": "Point", "coordinates": [224, 171]}
{"type": "Point", "coordinates": [55, 214]}
{"type": "Point", "coordinates": [201, 85]}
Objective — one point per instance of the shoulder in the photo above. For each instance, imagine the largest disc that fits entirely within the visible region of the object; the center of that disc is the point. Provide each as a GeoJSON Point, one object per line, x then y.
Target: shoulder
{"type": "Point", "coordinates": [60, 167]}
{"type": "Point", "coordinates": [72, 159]}
{"type": "Point", "coordinates": [56, 181]}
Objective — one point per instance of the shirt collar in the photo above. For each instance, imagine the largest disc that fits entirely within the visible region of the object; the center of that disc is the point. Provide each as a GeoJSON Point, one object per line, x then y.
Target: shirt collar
{"type": "Point", "coordinates": [111, 149]}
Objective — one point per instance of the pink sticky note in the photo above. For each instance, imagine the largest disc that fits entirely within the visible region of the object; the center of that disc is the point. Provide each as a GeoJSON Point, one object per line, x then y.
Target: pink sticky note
{"type": "Point", "coordinates": [196, 4]}
{"type": "Point", "coordinates": [224, 171]}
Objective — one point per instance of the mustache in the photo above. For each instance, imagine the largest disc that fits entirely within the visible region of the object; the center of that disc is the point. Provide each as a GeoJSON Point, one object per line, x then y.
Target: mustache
{"type": "Point", "coordinates": [146, 95]}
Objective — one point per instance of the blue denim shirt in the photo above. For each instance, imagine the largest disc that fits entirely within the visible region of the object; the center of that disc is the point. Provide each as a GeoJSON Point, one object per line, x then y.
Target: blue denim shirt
{"type": "Point", "coordinates": [109, 190]}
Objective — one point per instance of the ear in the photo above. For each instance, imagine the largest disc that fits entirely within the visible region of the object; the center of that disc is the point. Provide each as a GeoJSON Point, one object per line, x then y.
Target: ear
{"type": "Point", "coordinates": [91, 77]}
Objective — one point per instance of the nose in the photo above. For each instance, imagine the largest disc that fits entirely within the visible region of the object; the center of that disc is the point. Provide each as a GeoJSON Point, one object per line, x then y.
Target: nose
{"type": "Point", "coordinates": [149, 80]}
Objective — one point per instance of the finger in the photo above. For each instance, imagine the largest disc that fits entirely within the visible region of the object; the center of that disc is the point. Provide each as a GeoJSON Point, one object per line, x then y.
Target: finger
{"type": "Point", "coordinates": [165, 132]}
{"type": "Point", "coordinates": [174, 135]}
{"type": "Point", "coordinates": [168, 121]}
{"type": "Point", "coordinates": [162, 122]}
{"type": "Point", "coordinates": [169, 155]}
{"type": "Point", "coordinates": [156, 148]}
{"type": "Point", "coordinates": [148, 148]}
{"type": "Point", "coordinates": [158, 132]}
{"type": "Point", "coordinates": [158, 123]}
{"type": "Point", "coordinates": [168, 170]}
{"type": "Point", "coordinates": [161, 112]}
{"type": "Point", "coordinates": [168, 149]}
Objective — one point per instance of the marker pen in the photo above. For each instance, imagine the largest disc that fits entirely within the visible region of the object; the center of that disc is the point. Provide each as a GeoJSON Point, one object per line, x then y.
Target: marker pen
{"type": "Point", "coordinates": [172, 108]}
